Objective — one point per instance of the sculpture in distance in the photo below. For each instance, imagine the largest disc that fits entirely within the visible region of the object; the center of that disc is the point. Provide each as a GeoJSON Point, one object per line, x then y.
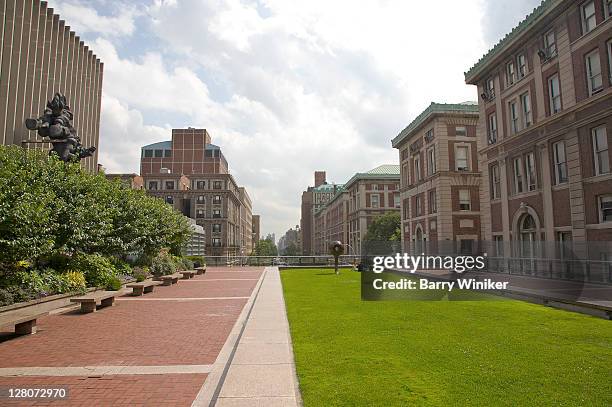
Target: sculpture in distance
{"type": "Point", "coordinates": [56, 125]}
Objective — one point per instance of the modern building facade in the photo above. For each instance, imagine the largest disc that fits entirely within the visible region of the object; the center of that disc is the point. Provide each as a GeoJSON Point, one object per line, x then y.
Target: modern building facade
{"type": "Point", "coordinates": [545, 129]}
{"type": "Point", "coordinates": [39, 56]}
{"type": "Point", "coordinates": [352, 207]}
{"type": "Point", "coordinates": [191, 174]}
{"type": "Point", "coordinates": [440, 178]}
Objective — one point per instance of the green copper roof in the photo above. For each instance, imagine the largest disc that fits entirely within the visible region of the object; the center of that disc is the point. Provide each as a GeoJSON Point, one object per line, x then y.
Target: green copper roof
{"type": "Point", "coordinates": [385, 169]}
{"type": "Point", "coordinates": [435, 108]}
{"type": "Point", "coordinates": [529, 21]}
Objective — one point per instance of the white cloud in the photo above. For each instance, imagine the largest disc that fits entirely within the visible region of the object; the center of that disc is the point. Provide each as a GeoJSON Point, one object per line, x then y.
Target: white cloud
{"type": "Point", "coordinates": [84, 19]}
{"type": "Point", "coordinates": [285, 88]}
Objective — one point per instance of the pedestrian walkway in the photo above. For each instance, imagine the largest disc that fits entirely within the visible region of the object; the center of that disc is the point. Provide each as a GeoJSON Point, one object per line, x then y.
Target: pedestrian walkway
{"type": "Point", "coordinates": [154, 350]}
{"type": "Point", "coordinates": [258, 368]}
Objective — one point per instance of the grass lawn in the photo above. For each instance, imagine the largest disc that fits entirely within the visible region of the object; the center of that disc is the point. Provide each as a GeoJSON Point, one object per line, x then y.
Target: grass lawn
{"type": "Point", "coordinates": [439, 353]}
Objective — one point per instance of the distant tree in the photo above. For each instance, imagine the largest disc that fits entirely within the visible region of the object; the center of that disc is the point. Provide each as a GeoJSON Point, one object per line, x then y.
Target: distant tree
{"type": "Point", "coordinates": [385, 228]}
{"type": "Point", "coordinates": [265, 247]}
{"type": "Point", "coordinates": [291, 250]}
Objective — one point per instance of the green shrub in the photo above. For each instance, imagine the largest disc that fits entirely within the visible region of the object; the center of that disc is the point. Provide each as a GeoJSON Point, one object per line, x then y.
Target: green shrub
{"type": "Point", "coordinates": [114, 284]}
{"type": "Point", "coordinates": [98, 270]}
{"type": "Point", "coordinates": [22, 294]}
{"type": "Point", "coordinates": [140, 273]}
{"type": "Point", "coordinates": [6, 297]}
{"type": "Point", "coordinates": [163, 264]}
{"type": "Point", "coordinates": [188, 264]}
{"type": "Point", "coordinates": [122, 267]}
{"type": "Point", "coordinates": [198, 261]}
{"type": "Point", "coordinates": [74, 281]}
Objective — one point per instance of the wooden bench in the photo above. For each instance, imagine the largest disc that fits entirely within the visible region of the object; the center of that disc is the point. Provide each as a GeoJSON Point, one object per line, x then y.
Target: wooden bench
{"type": "Point", "coordinates": [187, 274]}
{"type": "Point", "coordinates": [102, 299]}
{"type": "Point", "coordinates": [23, 321]}
{"type": "Point", "coordinates": [200, 270]}
{"type": "Point", "coordinates": [169, 280]}
{"type": "Point", "coordinates": [143, 287]}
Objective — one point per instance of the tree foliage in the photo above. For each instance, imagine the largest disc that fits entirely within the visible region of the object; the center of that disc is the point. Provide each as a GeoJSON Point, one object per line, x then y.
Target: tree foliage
{"type": "Point", "coordinates": [49, 208]}
{"type": "Point", "coordinates": [385, 228]}
{"type": "Point", "coordinates": [265, 247]}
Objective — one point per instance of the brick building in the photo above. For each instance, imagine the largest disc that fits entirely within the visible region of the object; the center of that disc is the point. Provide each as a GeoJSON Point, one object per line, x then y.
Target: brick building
{"type": "Point", "coordinates": [545, 129]}
{"type": "Point", "coordinates": [313, 198]}
{"type": "Point", "coordinates": [256, 224]}
{"type": "Point", "coordinates": [353, 207]}
{"type": "Point", "coordinates": [39, 56]}
{"type": "Point", "coordinates": [191, 174]}
{"type": "Point", "coordinates": [440, 178]}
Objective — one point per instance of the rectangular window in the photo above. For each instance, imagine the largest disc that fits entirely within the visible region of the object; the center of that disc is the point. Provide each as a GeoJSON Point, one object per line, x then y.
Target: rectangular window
{"type": "Point", "coordinates": [492, 128]}
{"type": "Point", "coordinates": [522, 66]}
{"type": "Point", "coordinates": [526, 105]}
{"type": "Point", "coordinates": [216, 227]}
{"type": "Point", "coordinates": [201, 185]}
{"type": "Point", "coordinates": [433, 204]}
{"type": "Point", "coordinates": [429, 135]}
{"type": "Point", "coordinates": [605, 208]}
{"type": "Point", "coordinates": [510, 78]}
{"type": "Point", "coordinates": [374, 200]}
{"type": "Point", "coordinates": [460, 131]}
{"type": "Point", "coordinates": [418, 206]}
{"type": "Point", "coordinates": [200, 213]}
{"type": "Point", "coordinates": [608, 8]}
{"type": "Point", "coordinates": [153, 186]}
{"type": "Point", "coordinates": [554, 91]}
{"type": "Point", "coordinates": [490, 88]}
{"type": "Point", "coordinates": [593, 70]}
{"type": "Point", "coordinates": [170, 199]}
{"type": "Point", "coordinates": [169, 184]}
{"type": "Point", "coordinates": [514, 119]}
{"type": "Point", "coordinates": [461, 154]}
{"type": "Point", "coordinates": [216, 213]}
{"type": "Point", "coordinates": [217, 199]}
{"type": "Point", "coordinates": [159, 153]}
{"type": "Point", "coordinates": [167, 153]}
{"type": "Point", "coordinates": [417, 168]}
{"type": "Point", "coordinates": [495, 182]}
{"type": "Point", "coordinates": [560, 162]}
{"type": "Point", "coordinates": [148, 153]}
{"type": "Point", "coordinates": [201, 199]}
{"type": "Point", "coordinates": [216, 242]}
{"type": "Point", "coordinates": [588, 17]}
{"type": "Point", "coordinates": [431, 161]}
{"type": "Point", "coordinates": [530, 171]}
{"type": "Point", "coordinates": [464, 200]}
{"type": "Point", "coordinates": [517, 166]}
{"type": "Point", "coordinates": [600, 150]}
{"type": "Point", "coordinates": [396, 200]}
{"type": "Point", "coordinates": [550, 44]}
{"type": "Point", "coordinates": [217, 185]}
{"type": "Point", "coordinates": [565, 241]}
{"type": "Point", "coordinates": [498, 242]}
{"type": "Point", "coordinates": [405, 175]}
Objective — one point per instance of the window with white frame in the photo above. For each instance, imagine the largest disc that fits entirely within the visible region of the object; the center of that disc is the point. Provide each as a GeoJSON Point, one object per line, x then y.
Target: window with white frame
{"type": "Point", "coordinates": [464, 200]}
{"type": "Point", "coordinates": [589, 20]}
{"type": "Point", "coordinates": [461, 158]}
{"type": "Point", "coordinates": [405, 175]}
{"type": "Point", "coordinates": [554, 92]}
{"type": "Point", "coordinates": [550, 44]}
{"type": "Point", "coordinates": [593, 71]}
{"type": "Point", "coordinates": [522, 65]}
{"type": "Point", "coordinates": [460, 131]}
{"type": "Point", "coordinates": [510, 73]}
{"type": "Point", "coordinates": [600, 150]}
{"type": "Point", "coordinates": [605, 208]}
{"type": "Point", "coordinates": [417, 168]}
{"type": "Point", "coordinates": [431, 161]}
{"type": "Point", "coordinates": [490, 88]}
{"type": "Point", "coordinates": [374, 200]}
{"type": "Point", "coordinates": [517, 168]}
{"type": "Point", "coordinates": [492, 128]}
{"type": "Point", "coordinates": [530, 171]}
{"type": "Point", "coordinates": [514, 117]}
{"type": "Point", "coordinates": [526, 106]}
{"type": "Point", "coordinates": [495, 182]}
{"type": "Point", "coordinates": [396, 200]}
{"type": "Point", "coordinates": [608, 8]}
{"type": "Point", "coordinates": [433, 204]}
{"type": "Point", "coordinates": [560, 162]}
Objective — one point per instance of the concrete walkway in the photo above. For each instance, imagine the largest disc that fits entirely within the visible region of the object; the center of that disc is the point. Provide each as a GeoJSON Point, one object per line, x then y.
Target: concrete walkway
{"type": "Point", "coordinates": [259, 369]}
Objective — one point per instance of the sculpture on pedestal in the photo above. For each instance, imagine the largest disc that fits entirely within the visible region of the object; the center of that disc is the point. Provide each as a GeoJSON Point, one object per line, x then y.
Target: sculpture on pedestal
{"type": "Point", "coordinates": [56, 125]}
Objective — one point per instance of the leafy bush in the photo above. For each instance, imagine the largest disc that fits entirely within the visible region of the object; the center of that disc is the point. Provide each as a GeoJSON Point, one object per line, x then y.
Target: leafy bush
{"type": "Point", "coordinates": [114, 284]}
{"type": "Point", "coordinates": [98, 270]}
{"type": "Point", "coordinates": [122, 267]}
{"type": "Point", "coordinates": [188, 264]}
{"type": "Point", "coordinates": [198, 261]}
{"type": "Point", "coordinates": [163, 264]}
{"type": "Point", "coordinates": [6, 297]}
{"type": "Point", "coordinates": [74, 281]}
{"type": "Point", "coordinates": [21, 294]}
{"type": "Point", "coordinates": [140, 273]}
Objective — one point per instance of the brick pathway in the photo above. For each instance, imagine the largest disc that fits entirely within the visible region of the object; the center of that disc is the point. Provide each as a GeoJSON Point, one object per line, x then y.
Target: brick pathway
{"type": "Point", "coordinates": [176, 326]}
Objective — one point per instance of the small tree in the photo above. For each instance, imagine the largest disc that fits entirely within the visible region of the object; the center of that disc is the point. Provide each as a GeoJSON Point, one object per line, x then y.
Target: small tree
{"type": "Point", "coordinates": [385, 228]}
{"type": "Point", "coordinates": [265, 247]}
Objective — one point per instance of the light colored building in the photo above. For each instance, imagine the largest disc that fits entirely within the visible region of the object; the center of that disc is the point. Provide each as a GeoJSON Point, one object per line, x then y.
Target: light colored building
{"type": "Point", "coordinates": [197, 244]}
{"type": "Point", "coordinates": [545, 130]}
{"type": "Point", "coordinates": [39, 56]}
{"type": "Point", "coordinates": [440, 178]}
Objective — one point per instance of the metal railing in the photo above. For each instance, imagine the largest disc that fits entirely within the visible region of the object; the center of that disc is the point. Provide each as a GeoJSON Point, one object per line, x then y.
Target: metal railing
{"type": "Point", "coordinates": [303, 261]}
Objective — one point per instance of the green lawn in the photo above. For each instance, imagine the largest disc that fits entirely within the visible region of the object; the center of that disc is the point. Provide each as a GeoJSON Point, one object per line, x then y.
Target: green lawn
{"type": "Point", "coordinates": [440, 353]}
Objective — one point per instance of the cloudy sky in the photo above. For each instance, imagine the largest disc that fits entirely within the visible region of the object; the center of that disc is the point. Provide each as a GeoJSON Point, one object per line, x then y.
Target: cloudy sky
{"type": "Point", "coordinates": [284, 87]}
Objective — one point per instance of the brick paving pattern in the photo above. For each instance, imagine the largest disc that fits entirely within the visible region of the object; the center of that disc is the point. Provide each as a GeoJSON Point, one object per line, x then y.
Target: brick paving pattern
{"type": "Point", "coordinates": [141, 331]}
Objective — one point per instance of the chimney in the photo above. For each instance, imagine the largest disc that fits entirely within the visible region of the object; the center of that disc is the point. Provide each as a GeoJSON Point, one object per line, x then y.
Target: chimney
{"type": "Point", "coordinates": [319, 178]}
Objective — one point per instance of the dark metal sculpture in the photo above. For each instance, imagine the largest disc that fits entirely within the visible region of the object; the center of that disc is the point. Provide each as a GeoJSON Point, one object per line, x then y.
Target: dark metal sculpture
{"type": "Point", "coordinates": [56, 125]}
{"type": "Point", "coordinates": [336, 249]}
